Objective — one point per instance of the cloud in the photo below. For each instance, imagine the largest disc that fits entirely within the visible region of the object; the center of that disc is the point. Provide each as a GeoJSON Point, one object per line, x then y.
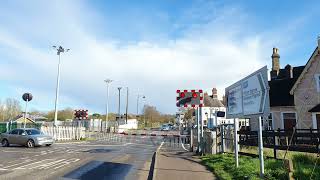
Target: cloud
{"type": "Point", "coordinates": [214, 53]}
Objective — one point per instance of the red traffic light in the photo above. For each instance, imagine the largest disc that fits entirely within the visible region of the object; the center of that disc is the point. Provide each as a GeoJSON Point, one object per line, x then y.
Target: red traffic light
{"type": "Point", "coordinates": [194, 95]}
{"type": "Point", "coordinates": [182, 94]}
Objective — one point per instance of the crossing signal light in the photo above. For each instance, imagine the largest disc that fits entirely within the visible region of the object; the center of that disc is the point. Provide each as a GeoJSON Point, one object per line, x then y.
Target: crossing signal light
{"type": "Point", "coordinates": [194, 95]}
{"type": "Point", "coordinates": [81, 114]}
{"type": "Point", "coordinates": [191, 98]}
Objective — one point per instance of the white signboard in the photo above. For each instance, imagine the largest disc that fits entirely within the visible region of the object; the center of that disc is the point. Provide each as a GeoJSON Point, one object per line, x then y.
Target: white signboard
{"type": "Point", "coordinates": [254, 94]}
{"type": "Point", "coordinates": [235, 100]}
{"type": "Point", "coordinates": [249, 96]}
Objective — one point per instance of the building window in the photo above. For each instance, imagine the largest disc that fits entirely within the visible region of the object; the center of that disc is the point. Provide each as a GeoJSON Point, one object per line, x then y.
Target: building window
{"type": "Point", "coordinates": [270, 122]}
{"type": "Point", "coordinates": [289, 120]}
{"type": "Point", "coordinates": [317, 79]}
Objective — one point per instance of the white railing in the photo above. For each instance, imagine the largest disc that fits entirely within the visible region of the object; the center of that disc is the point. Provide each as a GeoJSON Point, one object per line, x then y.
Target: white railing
{"type": "Point", "coordinates": [64, 133]}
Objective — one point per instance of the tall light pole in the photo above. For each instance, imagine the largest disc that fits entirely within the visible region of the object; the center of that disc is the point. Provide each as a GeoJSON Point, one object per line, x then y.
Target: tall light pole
{"type": "Point", "coordinates": [60, 50]}
{"type": "Point", "coordinates": [144, 116]}
{"type": "Point", "coordinates": [138, 102]}
{"type": "Point", "coordinates": [127, 104]}
{"type": "Point", "coordinates": [119, 88]}
{"type": "Point", "coordinates": [108, 81]}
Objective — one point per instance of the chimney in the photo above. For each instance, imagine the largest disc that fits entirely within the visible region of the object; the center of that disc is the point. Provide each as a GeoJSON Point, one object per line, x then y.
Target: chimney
{"type": "Point", "coordinates": [289, 73]}
{"type": "Point", "coordinates": [275, 64]}
{"type": "Point", "coordinates": [214, 93]}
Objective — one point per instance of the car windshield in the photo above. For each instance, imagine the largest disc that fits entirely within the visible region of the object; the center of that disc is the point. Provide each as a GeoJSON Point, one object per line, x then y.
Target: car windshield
{"type": "Point", "coordinates": [33, 132]}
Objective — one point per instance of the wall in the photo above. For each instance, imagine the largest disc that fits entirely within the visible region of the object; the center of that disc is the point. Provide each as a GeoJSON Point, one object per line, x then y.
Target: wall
{"type": "Point", "coordinates": [306, 95]}
{"type": "Point", "coordinates": [276, 115]}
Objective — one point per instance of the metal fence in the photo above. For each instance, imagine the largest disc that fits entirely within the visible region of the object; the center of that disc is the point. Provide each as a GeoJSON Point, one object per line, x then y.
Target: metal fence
{"type": "Point", "coordinates": [7, 126]}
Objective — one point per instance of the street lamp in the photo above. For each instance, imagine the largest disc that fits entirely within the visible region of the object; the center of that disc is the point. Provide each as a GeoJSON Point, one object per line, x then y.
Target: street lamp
{"type": "Point", "coordinates": [60, 50]}
{"type": "Point", "coordinates": [144, 116]}
{"type": "Point", "coordinates": [108, 81]}
{"type": "Point", "coordinates": [119, 89]}
{"type": "Point", "coordinates": [138, 102]}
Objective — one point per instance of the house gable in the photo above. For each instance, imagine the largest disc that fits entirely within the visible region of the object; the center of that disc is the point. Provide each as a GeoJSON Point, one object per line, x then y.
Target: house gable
{"type": "Point", "coordinates": [305, 70]}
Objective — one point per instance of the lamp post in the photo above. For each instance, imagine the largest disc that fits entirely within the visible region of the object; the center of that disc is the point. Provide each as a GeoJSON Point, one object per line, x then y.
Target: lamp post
{"type": "Point", "coordinates": [127, 104]}
{"type": "Point", "coordinates": [144, 116]}
{"type": "Point", "coordinates": [119, 89]}
{"type": "Point", "coordinates": [60, 50]}
{"type": "Point", "coordinates": [108, 81]}
{"type": "Point", "coordinates": [142, 96]}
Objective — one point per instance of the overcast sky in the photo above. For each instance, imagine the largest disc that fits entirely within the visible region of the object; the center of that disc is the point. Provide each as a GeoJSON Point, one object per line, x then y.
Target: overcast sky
{"type": "Point", "coordinates": [152, 47]}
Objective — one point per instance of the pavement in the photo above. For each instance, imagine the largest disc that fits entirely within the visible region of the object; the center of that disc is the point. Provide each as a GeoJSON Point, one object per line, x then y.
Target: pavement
{"type": "Point", "coordinates": [176, 164]}
{"type": "Point", "coordinates": [118, 158]}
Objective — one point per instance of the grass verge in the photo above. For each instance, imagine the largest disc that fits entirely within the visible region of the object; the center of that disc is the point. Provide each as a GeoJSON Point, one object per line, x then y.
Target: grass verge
{"type": "Point", "coordinates": [303, 163]}
{"type": "Point", "coordinates": [223, 166]}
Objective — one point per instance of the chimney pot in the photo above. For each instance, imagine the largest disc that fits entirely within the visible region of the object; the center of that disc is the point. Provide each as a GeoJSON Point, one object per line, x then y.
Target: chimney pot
{"type": "Point", "coordinates": [275, 63]}
{"type": "Point", "coordinates": [214, 93]}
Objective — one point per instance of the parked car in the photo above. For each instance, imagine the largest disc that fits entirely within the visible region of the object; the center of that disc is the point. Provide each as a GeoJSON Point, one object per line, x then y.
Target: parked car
{"type": "Point", "coordinates": [29, 137]}
{"type": "Point", "coordinates": [165, 127]}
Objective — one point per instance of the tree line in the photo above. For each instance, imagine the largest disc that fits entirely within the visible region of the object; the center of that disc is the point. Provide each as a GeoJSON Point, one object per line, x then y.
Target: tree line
{"type": "Point", "coordinates": [11, 108]}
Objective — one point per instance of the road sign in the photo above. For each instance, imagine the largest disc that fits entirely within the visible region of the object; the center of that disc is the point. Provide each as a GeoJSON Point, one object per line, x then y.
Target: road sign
{"type": "Point", "coordinates": [249, 96]}
{"type": "Point", "coordinates": [27, 96]}
{"type": "Point", "coordinates": [193, 98]}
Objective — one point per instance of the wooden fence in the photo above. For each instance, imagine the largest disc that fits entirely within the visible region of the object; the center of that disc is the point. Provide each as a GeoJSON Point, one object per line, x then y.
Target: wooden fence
{"type": "Point", "coordinates": [63, 133]}
{"type": "Point", "coordinates": [302, 140]}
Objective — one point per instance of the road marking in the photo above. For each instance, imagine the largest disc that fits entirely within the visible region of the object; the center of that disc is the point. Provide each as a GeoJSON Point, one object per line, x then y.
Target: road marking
{"type": "Point", "coordinates": [18, 151]}
{"type": "Point", "coordinates": [139, 144]}
{"type": "Point", "coordinates": [26, 161]}
{"type": "Point", "coordinates": [184, 147]}
{"type": "Point", "coordinates": [101, 145]}
{"type": "Point", "coordinates": [30, 165]}
{"type": "Point", "coordinates": [160, 146]}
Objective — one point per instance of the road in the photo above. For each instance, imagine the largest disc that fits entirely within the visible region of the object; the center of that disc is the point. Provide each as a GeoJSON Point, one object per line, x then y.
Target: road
{"type": "Point", "coordinates": [114, 158]}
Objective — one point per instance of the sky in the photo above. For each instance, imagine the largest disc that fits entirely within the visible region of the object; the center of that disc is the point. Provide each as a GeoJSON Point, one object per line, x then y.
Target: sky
{"type": "Point", "coordinates": [151, 47]}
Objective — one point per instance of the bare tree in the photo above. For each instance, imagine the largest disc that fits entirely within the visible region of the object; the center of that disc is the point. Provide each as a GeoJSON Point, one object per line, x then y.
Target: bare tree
{"type": "Point", "coordinates": [9, 109]}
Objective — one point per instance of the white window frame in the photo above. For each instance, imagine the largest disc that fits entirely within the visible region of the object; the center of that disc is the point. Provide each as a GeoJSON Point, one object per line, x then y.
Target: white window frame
{"type": "Point", "coordinates": [314, 120]}
{"type": "Point", "coordinates": [317, 79]}
{"type": "Point", "coordinates": [282, 121]}
{"type": "Point", "coordinates": [272, 120]}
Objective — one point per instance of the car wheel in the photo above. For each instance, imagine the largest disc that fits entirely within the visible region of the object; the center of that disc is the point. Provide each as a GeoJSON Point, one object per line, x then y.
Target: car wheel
{"type": "Point", "coordinates": [5, 143]}
{"type": "Point", "coordinates": [30, 143]}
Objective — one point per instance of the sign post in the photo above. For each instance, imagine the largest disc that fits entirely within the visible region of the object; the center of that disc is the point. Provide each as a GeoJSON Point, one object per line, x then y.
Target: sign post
{"type": "Point", "coordinates": [249, 98]}
{"type": "Point", "coordinates": [260, 141]}
{"type": "Point", "coordinates": [236, 146]}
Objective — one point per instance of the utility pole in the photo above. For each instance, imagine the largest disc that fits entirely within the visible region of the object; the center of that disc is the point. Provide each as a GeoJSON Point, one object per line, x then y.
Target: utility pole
{"type": "Point", "coordinates": [60, 50]}
{"type": "Point", "coordinates": [127, 105]}
{"type": "Point", "coordinates": [144, 116]}
{"type": "Point", "coordinates": [119, 88]}
{"type": "Point", "coordinates": [138, 104]}
{"type": "Point", "coordinates": [108, 81]}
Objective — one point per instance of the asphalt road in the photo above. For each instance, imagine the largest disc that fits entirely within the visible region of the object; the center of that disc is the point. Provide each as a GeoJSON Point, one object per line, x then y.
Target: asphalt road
{"type": "Point", "coordinates": [111, 158]}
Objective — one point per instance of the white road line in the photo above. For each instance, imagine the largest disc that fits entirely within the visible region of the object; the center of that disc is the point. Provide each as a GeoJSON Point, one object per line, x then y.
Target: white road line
{"type": "Point", "coordinates": [139, 144]}
{"type": "Point", "coordinates": [184, 147]}
{"type": "Point", "coordinates": [48, 165]}
{"type": "Point", "coordinates": [31, 165]}
{"type": "Point", "coordinates": [18, 151]}
{"type": "Point", "coordinates": [26, 161]}
{"type": "Point", "coordinates": [66, 163]}
{"type": "Point", "coordinates": [160, 146]}
{"type": "Point", "coordinates": [100, 145]}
